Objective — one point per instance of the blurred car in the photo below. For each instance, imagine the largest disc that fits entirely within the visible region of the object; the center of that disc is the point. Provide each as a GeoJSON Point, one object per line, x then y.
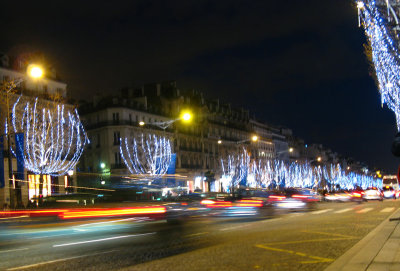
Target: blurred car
{"type": "Point", "coordinates": [389, 192]}
{"type": "Point", "coordinates": [373, 193]}
{"type": "Point", "coordinates": [340, 196]}
{"type": "Point", "coordinates": [241, 204]}
{"type": "Point", "coordinates": [296, 199]}
{"type": "Point", "coordinates": [357, 194]}
{"type": "Point", "coordinates": [193, 205]}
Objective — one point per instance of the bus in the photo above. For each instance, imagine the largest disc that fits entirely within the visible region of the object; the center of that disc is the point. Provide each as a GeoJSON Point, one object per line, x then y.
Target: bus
{"type": "Point", "coordinates": [390, 185]}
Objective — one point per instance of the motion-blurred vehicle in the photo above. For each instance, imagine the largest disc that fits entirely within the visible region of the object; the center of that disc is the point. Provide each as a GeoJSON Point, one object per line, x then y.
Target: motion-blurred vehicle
{"type": "Point", "coordinates": [197, 205]}
{"type": "Point", "coordinates": [340, 196]}
{"type": "Point", "coordinates": [296, 199]}
{"type": "Point", "coordinates": [389, 192]}
{"type": "Point", "coordinates": [373, 193]}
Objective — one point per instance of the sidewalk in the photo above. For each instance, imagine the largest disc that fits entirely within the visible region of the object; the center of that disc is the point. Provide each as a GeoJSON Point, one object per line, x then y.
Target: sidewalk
{"type": "Point", "coordinates": [379, 250]}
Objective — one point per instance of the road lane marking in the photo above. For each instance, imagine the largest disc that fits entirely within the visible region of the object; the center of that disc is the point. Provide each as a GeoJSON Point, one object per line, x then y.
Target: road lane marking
{"type": "Point", "coordinates": [311, 241]}
{"type": "Point", "coordinates": [103, 239]}
{"type": "Point", "coordinates": [387, 210]}
{"type": "Point", "coordinates": [343, 210]}
{"type": "Point", "coordinates": [196, 234]}
{"type": "Point", "coordinates": [329, 233]}
{"type": "Point", "coordinates": [296, 214]}
{"type": "Point", "coordinates": [270, 220]}
{"type": "Point", "coordinates": [11, 250]}
{"type": "Point", "coordinates": [316, 259]}
{"type": "Point", "coordinates": [365, 210]}
{"type": "Point", "coordinates": [59, 260]}
{"type": "Point", "coordinates": [321, 211]}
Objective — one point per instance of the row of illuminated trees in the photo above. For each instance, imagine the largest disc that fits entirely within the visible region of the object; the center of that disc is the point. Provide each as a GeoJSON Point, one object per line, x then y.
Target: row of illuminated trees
{"type": "Point", "coordinates": [150, 156]}
{"type": "Point", "coordinates": [239, 170]}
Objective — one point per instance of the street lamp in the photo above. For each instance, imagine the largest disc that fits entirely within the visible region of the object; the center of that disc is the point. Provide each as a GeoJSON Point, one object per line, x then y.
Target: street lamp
{"type": "Point", "coordinates": [253, 138]}
{"type": "Point", "coordinates": [185, 116]}
{"type": "Point", "coordinates": [34, 71]}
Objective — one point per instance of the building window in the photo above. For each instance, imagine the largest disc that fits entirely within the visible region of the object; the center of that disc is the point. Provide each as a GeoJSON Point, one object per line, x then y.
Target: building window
{"type": "Point", "coordinates": [116, 138]}
{"type": "Point", "coordinates": [117, 158]}
{"type": "Point", "coordinates": [115, 117]}
{"type": "Point", "coordinates": [98, 141]}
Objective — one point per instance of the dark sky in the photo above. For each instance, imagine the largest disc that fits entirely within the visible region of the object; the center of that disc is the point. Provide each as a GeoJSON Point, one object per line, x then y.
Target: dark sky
{"type": "Point", "coordinates": [294, 63]}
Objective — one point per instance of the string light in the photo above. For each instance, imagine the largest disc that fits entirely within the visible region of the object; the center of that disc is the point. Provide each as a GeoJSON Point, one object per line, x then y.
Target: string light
{"type": "Point", "coordinates": [234, 169]}
{"type": "Point", "coordinates": [278, 174]}
{"type": "Point", "coordinates": [385, 54]}
{"type": "Point", "coordinates": [54, 137]}
{"type": "Point", "coordinates": [150, 156]}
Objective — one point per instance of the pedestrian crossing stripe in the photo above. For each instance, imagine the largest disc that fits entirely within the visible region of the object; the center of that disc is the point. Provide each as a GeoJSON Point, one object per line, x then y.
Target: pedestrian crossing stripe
{"type": "Point", "coordinates": [321, 211]}
{"type": "Point", "coordinates": [387, 210]}
{"type": "Point", "coordinates": [343, 210]}
{"type": "Point", "coordinates": [365, 210]}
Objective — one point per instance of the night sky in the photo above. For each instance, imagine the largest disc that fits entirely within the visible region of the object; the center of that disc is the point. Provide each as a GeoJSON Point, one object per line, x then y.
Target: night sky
{"type": "Point", "coordinates": [299, 64]}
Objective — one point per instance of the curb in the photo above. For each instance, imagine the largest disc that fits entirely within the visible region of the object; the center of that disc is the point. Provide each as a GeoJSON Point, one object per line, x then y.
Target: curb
{"type": "Point", "coordinates": [362, 254]}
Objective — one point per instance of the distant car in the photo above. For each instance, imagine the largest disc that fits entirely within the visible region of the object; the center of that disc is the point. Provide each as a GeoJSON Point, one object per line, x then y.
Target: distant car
{"type": "Point", "coordinates": [389, 192]}
{"type": "Point", "coordinates": [373, 193]}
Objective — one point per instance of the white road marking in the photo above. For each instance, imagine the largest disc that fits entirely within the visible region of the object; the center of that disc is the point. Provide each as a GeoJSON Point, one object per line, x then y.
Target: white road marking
{"type": "Point", "coordinates": [297, 214]}
{"type": "Point", "coordinates": [59, 260]}
{"type": "Point", "coordinates": [272, 219]}
{"type": "Point", "coordinates": [387, 210]}
{"type": "Point", "coordinates": [365, 210]}
{"type": "Point", "coordinates": [103, 239]}
{"type": "Point", "coordinates": [343, 210]}
{"type": "Point", "coordinates": [231, 228]}
{"type": "Point", "coordinates": [321, 211]}
{"type": "Point", "coordinates": [11, 250]}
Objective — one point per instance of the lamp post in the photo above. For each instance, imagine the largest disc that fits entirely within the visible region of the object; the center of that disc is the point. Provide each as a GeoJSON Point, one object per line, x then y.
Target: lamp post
{"type": "Point", "coordinates": [185, 117]}
{"type": "Point", "coordinates": [35, 72]}
{"type": "Point", "coordinates": [290, 150]}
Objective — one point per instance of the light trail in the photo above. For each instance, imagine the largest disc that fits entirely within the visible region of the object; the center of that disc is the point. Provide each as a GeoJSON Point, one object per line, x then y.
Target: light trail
{"type": "Point", "coordinates": [103, 239]}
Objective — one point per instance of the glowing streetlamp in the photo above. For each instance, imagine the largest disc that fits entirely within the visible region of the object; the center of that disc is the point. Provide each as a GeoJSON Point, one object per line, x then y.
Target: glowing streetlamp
{"type": "Point", "coordinates": [185, 117]}
{"type": "Point", "coordinates": [35, 71]}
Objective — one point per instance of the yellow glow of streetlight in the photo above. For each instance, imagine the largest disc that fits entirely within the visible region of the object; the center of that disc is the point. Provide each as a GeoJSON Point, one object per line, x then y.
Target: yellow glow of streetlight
{"type": "Point", "coordinates": [186, 116]}
{"type": "Point", "coordinates": [219, 141]}
{"type": "Point", "coordinates": [319, 159]}
{"type": "Point", "coordinates": [35, 71]}
{"type": "Point", "coordinates": [254, 138]}
{"type": "Point", "coordinates": [290, 149]}
{"type": "Point", "coordinates": [141, 123]}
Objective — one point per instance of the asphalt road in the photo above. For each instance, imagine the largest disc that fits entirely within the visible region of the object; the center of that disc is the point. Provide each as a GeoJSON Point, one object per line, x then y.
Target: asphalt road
{"type": "Point", "coordinates": [293, 241]}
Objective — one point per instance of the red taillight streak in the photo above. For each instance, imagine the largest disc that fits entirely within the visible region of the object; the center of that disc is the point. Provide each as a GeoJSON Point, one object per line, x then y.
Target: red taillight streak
{"type": "Point", "coordinates": [300, 196]}
{"type": "Point", "coordinates": [219, 204]}
{"type": "Point", "coordinates": [274, 197]}
{"type": "Point", "coordinates": [112, 212]}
